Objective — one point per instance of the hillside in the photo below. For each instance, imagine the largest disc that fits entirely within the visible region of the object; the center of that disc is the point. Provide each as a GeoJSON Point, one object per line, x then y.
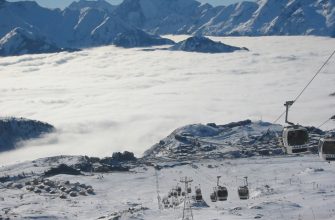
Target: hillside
{"type": "Point", "coordinates": [14, 130]}
{"type": "Point", "coordinates": [234, 140]}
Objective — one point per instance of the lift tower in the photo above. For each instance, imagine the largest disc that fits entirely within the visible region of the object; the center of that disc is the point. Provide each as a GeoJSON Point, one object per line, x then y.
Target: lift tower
{"type": "Point", "coordinates": [187, 211]}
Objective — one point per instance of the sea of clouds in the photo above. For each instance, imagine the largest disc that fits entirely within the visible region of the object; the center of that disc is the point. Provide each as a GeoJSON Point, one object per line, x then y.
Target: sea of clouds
{"type": "Point", "coordinates": [110, 99]}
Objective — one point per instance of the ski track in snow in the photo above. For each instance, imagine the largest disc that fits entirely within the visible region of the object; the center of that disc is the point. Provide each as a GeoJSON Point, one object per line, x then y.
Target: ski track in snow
{"type": "Point", "coordinates": [108, 99]}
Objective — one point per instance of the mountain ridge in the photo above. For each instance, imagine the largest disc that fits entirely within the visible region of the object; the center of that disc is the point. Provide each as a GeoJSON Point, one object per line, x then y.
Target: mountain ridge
{"type": "Point", "coordinates": [85, 23]}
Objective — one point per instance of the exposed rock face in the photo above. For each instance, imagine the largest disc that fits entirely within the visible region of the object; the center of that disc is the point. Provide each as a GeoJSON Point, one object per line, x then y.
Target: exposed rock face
{"type": "Point", "coordinates": [204, 45]}
{"type": "Point", "coordinates": [124, 157]}
{"type": "Point", "coordinates": [62, 169]}
{"type": "Point", "coordinates": [14, 130]}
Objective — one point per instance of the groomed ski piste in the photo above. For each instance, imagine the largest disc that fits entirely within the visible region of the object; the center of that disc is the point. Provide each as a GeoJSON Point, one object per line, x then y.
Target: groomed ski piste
{"type": "Point", "coordinates": [118, 110]}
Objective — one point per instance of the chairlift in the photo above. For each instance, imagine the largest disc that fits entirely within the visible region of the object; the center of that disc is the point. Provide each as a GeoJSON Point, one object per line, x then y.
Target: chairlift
{"type": "Point", "coordinates": [198, 194]}
{"type": "Point", "coordinates": [295, 137]}
{"type": "Point", "coordinates": [189, 190]}
{"type": "Point", "coordinates": [243, 191]}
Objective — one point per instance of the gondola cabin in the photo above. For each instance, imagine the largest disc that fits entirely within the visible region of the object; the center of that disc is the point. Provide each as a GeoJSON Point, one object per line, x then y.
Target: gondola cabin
{"type": "Point", "coordinates": [198, 195]}
{"type": "Point", "coordinates": [222, 193]}
{"type": "Point", "coordinates": [243, 192]}
{"type": "Point", "coordinates": [213, 196]}
{"type": "Point", "coordinates": [295, 139]}
{"type": "Point", "coordinates": [327, 149]}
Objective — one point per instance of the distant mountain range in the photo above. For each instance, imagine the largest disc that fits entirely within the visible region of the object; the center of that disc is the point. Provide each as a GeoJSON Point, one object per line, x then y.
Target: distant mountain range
{"type": "Point", "coordinates": [95, 23]}
{"type": "Point", "coordinates": [264, 17]}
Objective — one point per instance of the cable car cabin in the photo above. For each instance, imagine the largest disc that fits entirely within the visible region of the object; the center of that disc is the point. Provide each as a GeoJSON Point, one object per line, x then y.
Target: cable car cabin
{"type": "Point", "coordinates": [222, 193]}
{"type": "Point", "coordinates": [327, 149]}
{"type": "Point", "coordinates": [295, 139]}
{"type": "Point", "coordinates": [175, 193]}
{"type": "Point", "coordinates": [178, 189]}
{"type": "Point", "coordinates": [198, 194]}
{"type": "Point", "coordinates": [213, 196]}
{"type": "Point", "coordinates": [243, 192]}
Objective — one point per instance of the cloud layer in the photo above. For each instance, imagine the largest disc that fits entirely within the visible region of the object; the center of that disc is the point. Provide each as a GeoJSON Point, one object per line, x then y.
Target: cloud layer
{"type": "Point", "coordinates": [109, 99]}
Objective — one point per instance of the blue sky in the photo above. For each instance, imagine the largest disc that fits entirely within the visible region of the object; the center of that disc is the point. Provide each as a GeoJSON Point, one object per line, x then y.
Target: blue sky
{"type": "Point", "coordinates": [64, 3]}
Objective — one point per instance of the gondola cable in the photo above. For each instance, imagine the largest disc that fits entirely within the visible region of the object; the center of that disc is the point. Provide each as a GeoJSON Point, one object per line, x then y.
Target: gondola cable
{"type": "Point", "coordinates": [332, 118]}
{"type": "Point", "coordinates": [303, 90]}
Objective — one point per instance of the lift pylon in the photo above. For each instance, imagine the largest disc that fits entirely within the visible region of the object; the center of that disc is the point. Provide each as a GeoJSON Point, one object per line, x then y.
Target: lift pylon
{"type": "Point", "coordinates": [187, 210]}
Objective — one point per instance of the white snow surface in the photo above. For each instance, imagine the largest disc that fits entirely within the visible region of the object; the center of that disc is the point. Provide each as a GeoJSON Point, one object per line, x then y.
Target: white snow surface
{"type": "Point", "coordinates": [109, 99]}
{"type": "Point", "coordinates": [280, 188]}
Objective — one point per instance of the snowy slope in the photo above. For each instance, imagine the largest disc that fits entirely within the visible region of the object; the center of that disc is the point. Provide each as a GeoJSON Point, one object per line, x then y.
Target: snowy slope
{"type": "Point", "coordinates": [280, 188]}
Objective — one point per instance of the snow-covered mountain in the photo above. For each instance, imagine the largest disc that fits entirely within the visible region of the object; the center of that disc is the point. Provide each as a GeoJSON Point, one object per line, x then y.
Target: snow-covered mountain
{"type": "Point", "coordinates": [14, 130]}
{"type": "Point", "coordinates": [94, 23]}
{"type": "Point", "coordinates": [204, 45]}
{"type": "Point", "coordinates": [20, 41]}
{"type": "Point", "coordinates": [271, 17]}
{"type": "Point", "coordinates": [264, 17]}
{"type": "Point", "coordinates": [138, 38]}
{"type": "Point", "coordinates": [101, 5]}
{"type": "Point", "coordinates": [233, 140]}
{"type": "Point", "coordinates": [82, 24]}
{"type": "Point", "coordinates": [159, 16]}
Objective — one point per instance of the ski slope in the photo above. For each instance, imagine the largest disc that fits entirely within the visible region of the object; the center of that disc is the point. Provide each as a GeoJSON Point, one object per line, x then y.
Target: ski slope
{"type": "Point", "coordinates": [109, 99]}
{"type": "Point", "coordinates": [280, 188]}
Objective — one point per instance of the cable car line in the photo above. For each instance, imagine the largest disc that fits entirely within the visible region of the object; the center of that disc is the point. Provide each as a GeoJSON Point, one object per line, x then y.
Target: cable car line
{"type": "Point", "coordinates": [323, 123]}
{"type": "Point", "coordinates": [303, 90]}
{"type": "Point", "coordinates": [332, 118]}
